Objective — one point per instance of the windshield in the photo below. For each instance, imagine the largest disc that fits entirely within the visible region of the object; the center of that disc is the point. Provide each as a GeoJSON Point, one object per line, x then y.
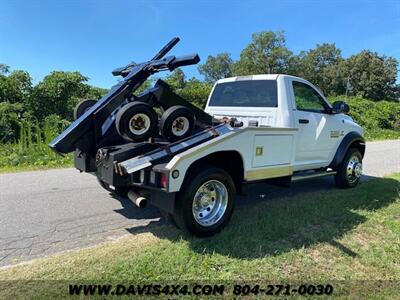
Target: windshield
{"type": "Point", "coordinates": [245, 93]}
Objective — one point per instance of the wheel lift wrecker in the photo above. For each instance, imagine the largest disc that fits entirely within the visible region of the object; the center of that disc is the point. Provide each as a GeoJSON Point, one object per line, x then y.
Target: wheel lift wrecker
{"type": "Point", "coordinates": [157, 147]}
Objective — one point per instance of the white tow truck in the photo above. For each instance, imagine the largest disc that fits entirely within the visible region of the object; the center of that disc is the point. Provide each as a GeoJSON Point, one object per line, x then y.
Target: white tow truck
{"type": "Point", "coordinates": [276, 126]}
{"type": "Point", "coordinates": [192, 163]}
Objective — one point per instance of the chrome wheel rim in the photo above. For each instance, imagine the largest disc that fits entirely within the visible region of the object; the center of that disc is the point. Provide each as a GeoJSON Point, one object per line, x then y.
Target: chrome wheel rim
{"type": "Point", "coordinates": [180, 126]}
{"type": "Point", "coordinates": [210, 203]}
{"type": "Point", "coordinates": [354, 169]}
{"type": "Point", "coordinates": [139, 124]}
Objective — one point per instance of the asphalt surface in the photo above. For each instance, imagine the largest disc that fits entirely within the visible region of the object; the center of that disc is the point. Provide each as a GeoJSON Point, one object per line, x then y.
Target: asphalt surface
{"type": "Point", "coordinates": [44, 212]}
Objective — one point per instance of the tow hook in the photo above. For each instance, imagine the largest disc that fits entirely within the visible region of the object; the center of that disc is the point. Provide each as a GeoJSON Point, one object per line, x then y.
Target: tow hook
{"type": "Point", "coordinates": [138, 200]}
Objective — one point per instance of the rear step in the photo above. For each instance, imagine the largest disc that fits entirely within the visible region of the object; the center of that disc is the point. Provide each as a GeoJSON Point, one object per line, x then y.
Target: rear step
{"type": "Point", "coordinates": [308, 175]}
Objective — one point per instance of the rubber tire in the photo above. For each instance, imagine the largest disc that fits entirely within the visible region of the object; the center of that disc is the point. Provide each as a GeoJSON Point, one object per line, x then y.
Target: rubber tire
{"type": "Point", "coordinates": [123, 118]}
{"type": "Point", "coordinates": [82, 107]}
{"type": "Point", "coordinates": [341, 179]}
{"type": "Point", "coordinates": [120, 191]}
{"type": "Point", "coordinates": [183, 215]}
{"type": "Point", "coordinates": [168, 118]}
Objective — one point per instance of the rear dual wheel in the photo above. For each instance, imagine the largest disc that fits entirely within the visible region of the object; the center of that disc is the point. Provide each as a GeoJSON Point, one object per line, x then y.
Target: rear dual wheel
{"type": "Point", "coordinates": [205, 204]}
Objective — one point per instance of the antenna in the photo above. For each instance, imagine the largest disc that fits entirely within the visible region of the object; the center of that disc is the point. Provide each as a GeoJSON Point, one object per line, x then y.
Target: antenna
{"type": "Point", "coordinates": [348, 86]}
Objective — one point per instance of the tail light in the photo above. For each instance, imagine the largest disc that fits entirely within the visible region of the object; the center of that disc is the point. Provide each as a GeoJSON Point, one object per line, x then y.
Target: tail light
{"type": "Point", "coordinates": [163, 180]}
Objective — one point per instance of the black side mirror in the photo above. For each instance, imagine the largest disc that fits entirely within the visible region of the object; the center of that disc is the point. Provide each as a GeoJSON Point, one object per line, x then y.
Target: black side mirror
{"type": "Point", "coordinates": [339, 107]}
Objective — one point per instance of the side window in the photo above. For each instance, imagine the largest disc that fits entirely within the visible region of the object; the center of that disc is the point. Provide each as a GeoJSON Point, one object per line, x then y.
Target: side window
{"type": "Point", "coordinates": [307, 98]}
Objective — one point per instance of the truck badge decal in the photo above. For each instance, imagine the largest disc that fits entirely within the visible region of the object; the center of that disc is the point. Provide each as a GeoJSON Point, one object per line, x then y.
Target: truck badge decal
{"type": "Point", "coordinates": [259, 151]}
{"type": "Point", "coordinates": [336, 133]}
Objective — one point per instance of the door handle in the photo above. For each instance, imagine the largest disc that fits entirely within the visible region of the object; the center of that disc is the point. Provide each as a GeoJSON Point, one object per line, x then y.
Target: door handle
{"type": "Point", "coordinates": [304, 121]}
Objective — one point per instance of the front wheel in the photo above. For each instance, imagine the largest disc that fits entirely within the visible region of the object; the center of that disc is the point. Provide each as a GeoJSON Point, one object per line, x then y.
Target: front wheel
{"type": "Point", "coordinates": [349, 170]}
{"type": "Point", "coordinates": [205, 204]}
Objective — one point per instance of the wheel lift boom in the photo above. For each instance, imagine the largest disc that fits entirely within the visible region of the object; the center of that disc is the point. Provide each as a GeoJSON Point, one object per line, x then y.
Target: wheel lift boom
{"type": "Point", "coordinates": [86, 133]}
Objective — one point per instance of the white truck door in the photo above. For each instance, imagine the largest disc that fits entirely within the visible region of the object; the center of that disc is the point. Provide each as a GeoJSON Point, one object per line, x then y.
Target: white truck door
{"type": "Point", "coordinates": [311, 115]}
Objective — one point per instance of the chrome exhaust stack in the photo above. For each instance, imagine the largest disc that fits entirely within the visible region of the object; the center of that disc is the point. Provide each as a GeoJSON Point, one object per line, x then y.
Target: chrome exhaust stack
{"type": "Point", "coordinates": [138, 200]}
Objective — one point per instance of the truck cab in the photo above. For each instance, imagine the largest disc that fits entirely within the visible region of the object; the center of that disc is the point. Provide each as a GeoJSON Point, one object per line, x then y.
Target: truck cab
{"type": "Point", "coordinates": [288, 102]}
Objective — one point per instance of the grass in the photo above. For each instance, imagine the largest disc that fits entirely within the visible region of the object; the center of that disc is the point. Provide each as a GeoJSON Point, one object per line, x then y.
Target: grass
{"type": "Point", "coordinates": [14, 158]}
{"type": "Point", "coordinates": [31, 151]}
{"type": "Point", "coordinates": [379, 134]}
{"type": "Point", "coordinates": [347, 237]}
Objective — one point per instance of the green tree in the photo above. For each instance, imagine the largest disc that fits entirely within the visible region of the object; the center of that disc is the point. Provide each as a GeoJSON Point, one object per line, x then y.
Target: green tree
{"type": "Point", "coordinates": [192, 90]}
{"type": "Point", "coordinates": [176, 79]}
{"type": "Point", "coordinates": [95, 92]}
{"type": "Point", "coordinates": [16, 87]}
{"type": "Point", "coordinates": [372, 76]}
{"type": "Point", "coordinates": [319, 66]}
{"type": "Point", "coordinates": [4, 69]}
{"type": "Point", "coordinates": [266, 54]}
{"type": "Point", "coordinates": [335, 81]}
{"type": "Point", "coordinates": [10, 114]}
{"type": "Point", "coordinates": [58, 93]}
{"type": "Point", "coordinates": [196, 92]}
{"type": "Point", "coordinates": [216, 67]}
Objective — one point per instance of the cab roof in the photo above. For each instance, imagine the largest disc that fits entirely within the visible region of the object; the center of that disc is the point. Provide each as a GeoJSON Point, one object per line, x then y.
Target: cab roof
{"type": "Point", "coordinates": [255, 77]}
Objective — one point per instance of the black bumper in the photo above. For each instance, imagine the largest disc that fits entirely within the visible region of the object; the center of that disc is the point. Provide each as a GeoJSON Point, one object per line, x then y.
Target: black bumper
{"type": "Point", "coordinates": [104, 170]}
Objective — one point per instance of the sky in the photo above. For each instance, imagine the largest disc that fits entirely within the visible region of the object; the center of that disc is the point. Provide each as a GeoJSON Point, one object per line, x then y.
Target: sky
{"type": "Point", "coordinates": [96, 36]}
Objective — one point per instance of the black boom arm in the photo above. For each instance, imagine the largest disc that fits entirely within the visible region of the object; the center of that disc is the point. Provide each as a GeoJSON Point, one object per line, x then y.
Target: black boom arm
{"type": "Point", "coordinates": [85, 132]}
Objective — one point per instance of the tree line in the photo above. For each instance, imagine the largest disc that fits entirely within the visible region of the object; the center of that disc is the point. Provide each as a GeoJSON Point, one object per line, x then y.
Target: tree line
{"type": "Point", "coordinates": [54, 97]}
{"type": "Point", "coordinates": [366, 74]}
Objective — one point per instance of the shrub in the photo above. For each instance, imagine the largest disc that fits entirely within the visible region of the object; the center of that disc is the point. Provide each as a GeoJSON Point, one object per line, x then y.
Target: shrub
{"type": "Point", "coordinates": [31, 149]}
{"type": "Point", "coordinates": [10, 114]}
{"type": "Point", "coordinates": [380, 119]}
{"type": "Point", "coordinates": [372, 114]}
{"type": "Point", "coordinates": [195, 92]}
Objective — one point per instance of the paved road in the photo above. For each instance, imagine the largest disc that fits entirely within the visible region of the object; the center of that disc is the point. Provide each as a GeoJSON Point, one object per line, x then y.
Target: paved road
{"type": "Point", "coordinates": [44, 212]}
